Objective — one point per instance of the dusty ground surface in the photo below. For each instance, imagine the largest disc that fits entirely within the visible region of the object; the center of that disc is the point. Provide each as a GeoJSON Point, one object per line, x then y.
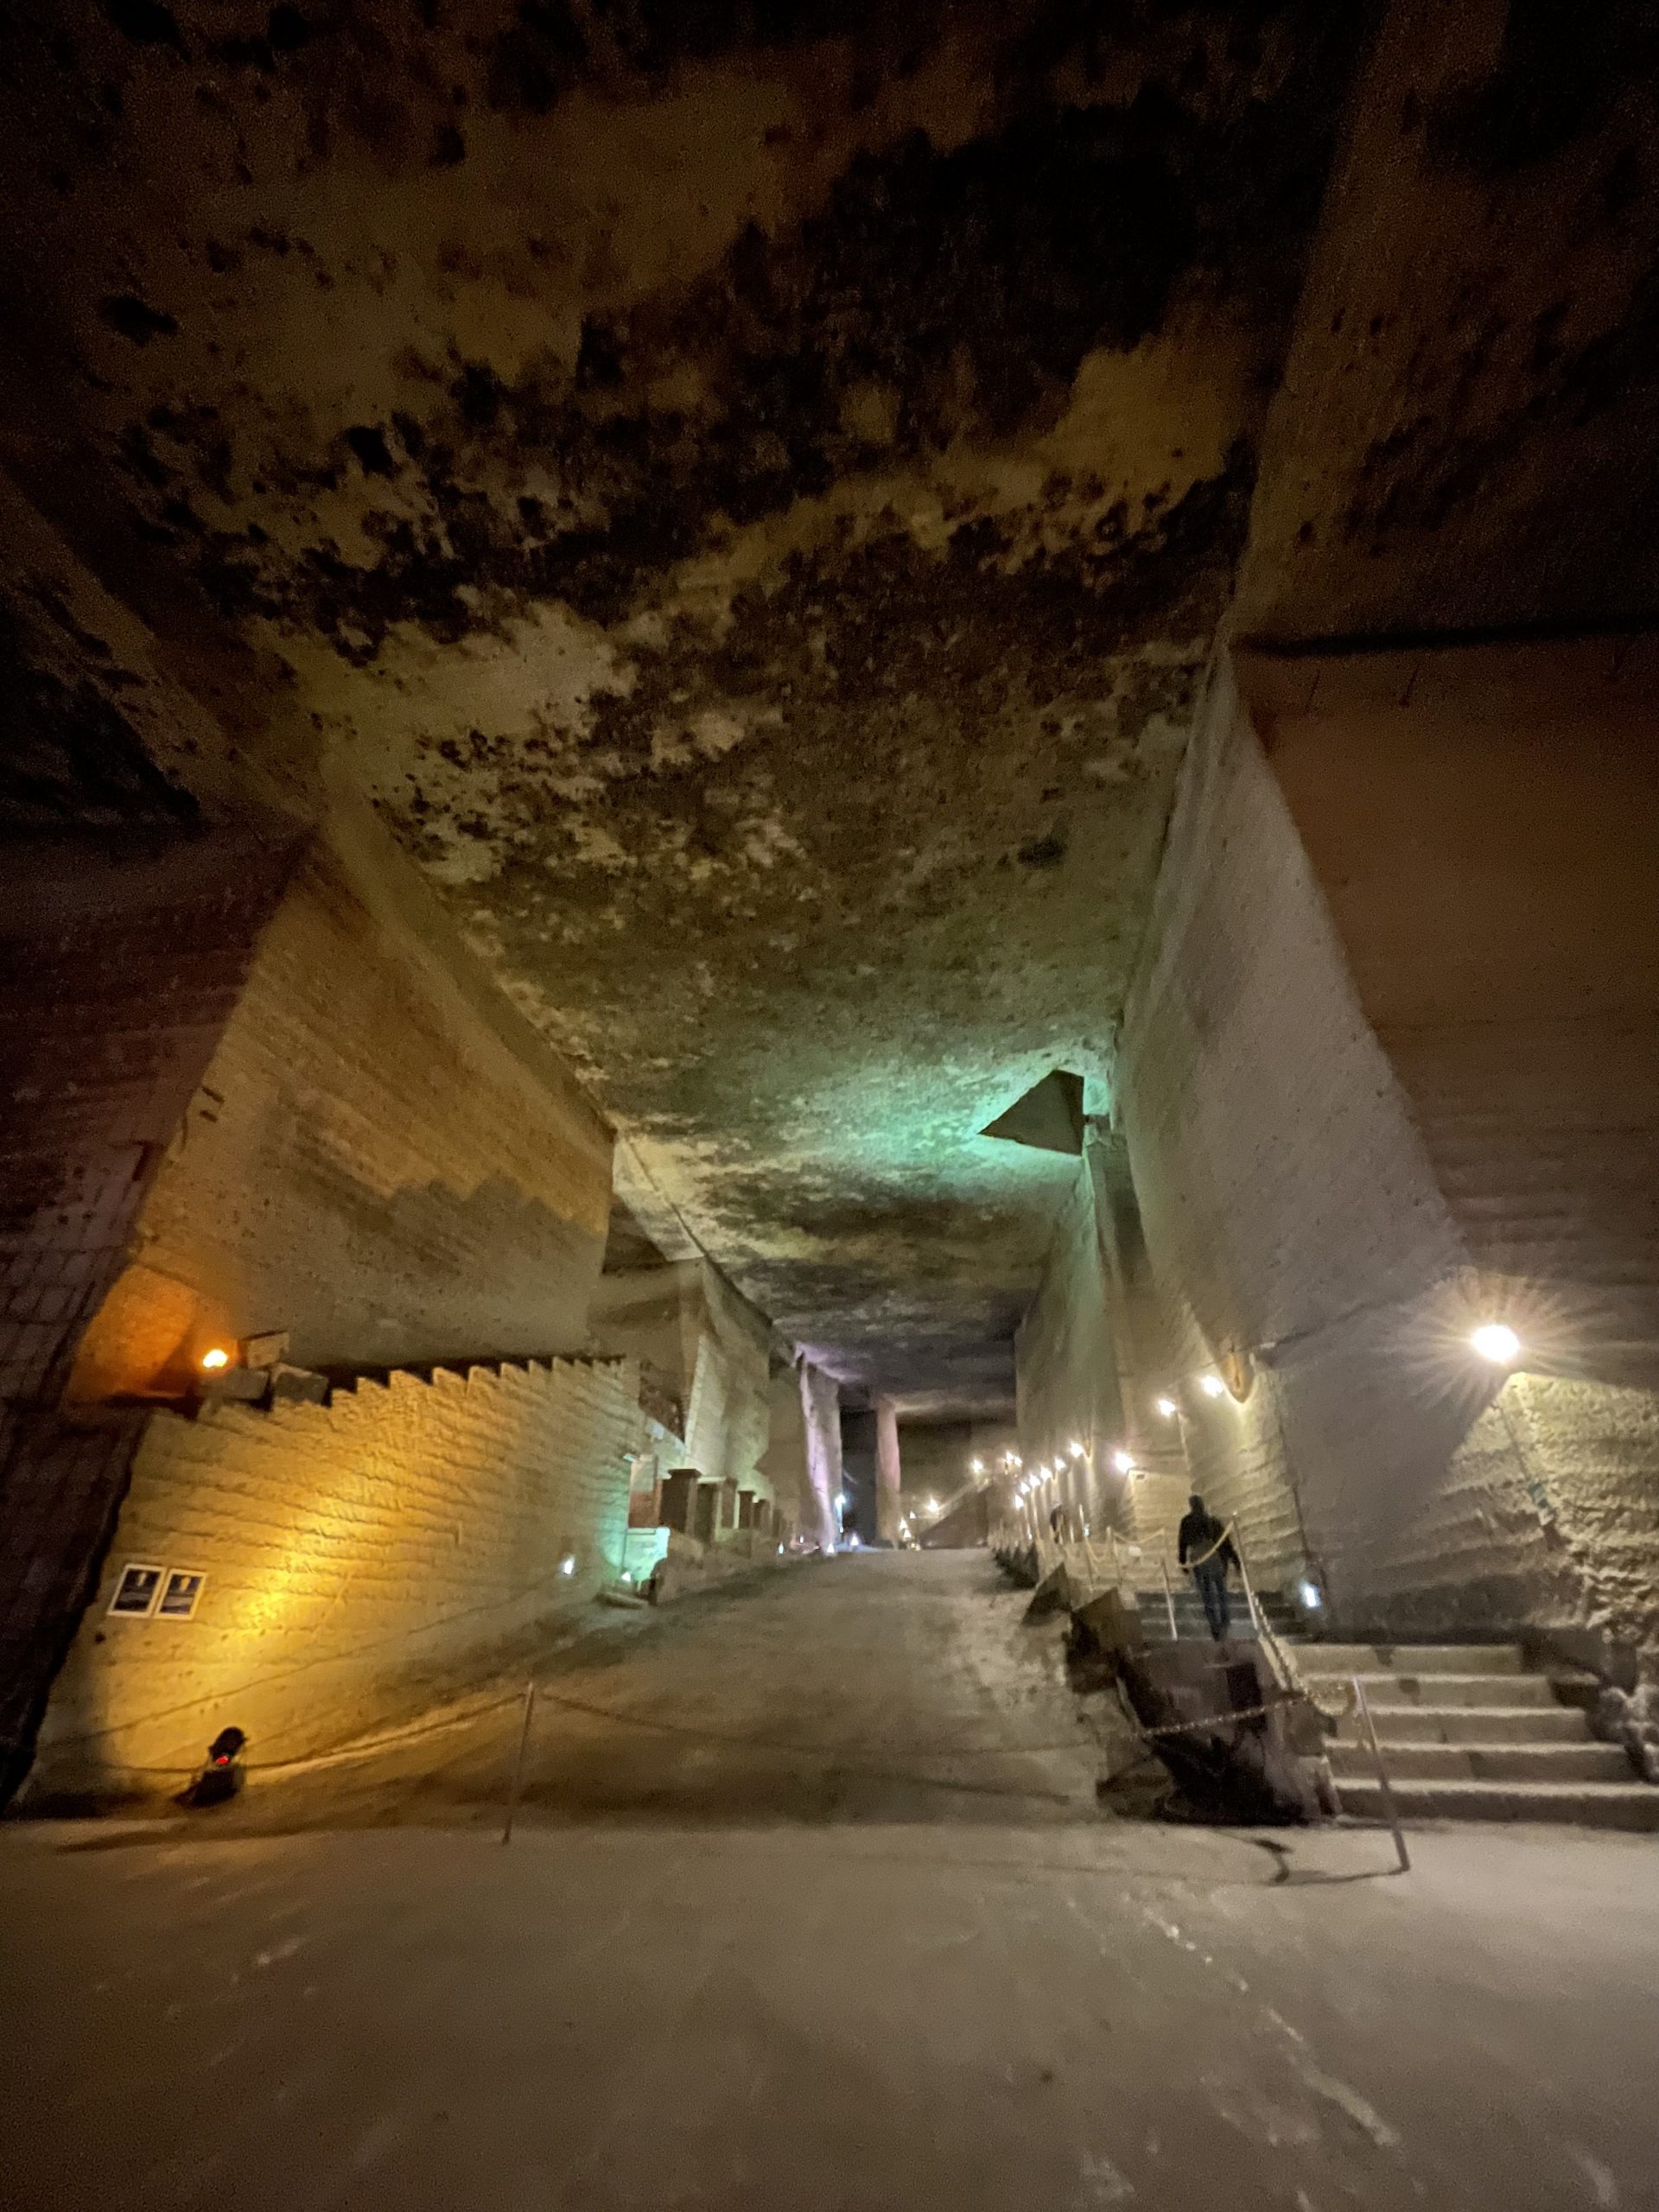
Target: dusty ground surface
{"type": "Point", "coordinates": [820, 1913]}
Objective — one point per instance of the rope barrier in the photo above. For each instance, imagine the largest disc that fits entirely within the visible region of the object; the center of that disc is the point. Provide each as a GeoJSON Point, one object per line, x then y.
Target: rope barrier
{"type": "Point", "coordinates": [1225, 1537]}
{"type": "Point", "coordinates": [366, 1747]}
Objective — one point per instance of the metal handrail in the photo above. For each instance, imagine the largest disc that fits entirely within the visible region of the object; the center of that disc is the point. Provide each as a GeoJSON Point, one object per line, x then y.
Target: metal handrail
{"type": "Point", "coordinates": [1169, 1600]}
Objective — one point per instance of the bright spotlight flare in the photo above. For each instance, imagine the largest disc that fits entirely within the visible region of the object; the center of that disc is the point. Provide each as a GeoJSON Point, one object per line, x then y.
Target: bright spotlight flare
{"type": "Point", "coordinates": [215, 1359]}
{"type": "Point", "coordinates": [1212, 1385]}
{"type": "Point", "coordinates": [1497, 1341]}
{"type": "Point", "coordinates": [1124, 1462]}
{"type": "Point", "coordinates": [1167, 1407]}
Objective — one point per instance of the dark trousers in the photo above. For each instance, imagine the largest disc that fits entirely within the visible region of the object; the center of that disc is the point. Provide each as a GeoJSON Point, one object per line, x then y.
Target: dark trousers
{"type": "Point", "coordinates": [1213, 1588]}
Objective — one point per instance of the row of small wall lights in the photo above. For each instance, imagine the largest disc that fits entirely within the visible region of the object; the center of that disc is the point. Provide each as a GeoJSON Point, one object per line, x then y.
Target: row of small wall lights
{"type": "Point", "coordinates": [1493, 1341]}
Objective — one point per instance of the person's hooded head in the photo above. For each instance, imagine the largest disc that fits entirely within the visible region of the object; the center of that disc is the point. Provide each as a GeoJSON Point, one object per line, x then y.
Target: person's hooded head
{"type": "Point", "coordinates": [1196, 1502]}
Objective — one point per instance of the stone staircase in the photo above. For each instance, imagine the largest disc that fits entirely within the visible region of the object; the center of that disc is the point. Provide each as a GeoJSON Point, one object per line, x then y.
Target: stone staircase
{"type": "Point", "coordinates": [1469, 1732]}
{"type": "Point", "coordinates": [1189, 1612]}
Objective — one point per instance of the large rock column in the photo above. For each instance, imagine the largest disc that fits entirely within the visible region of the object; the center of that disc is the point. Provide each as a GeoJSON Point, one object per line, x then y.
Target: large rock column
{"type": "Point", "coordinates": [887, 1473]}
{"type": "Point", "coordinates": [821, 1411]}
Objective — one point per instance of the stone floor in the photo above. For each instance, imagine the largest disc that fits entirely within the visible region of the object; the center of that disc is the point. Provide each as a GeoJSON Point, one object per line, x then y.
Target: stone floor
{"type": "Point", "coordinates": [810, 1906]}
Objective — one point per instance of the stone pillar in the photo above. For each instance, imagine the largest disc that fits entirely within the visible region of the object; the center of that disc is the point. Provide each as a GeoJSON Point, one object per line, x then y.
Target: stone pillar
{"type": "Point", "coordinates": [679, 1500]}
{"type": "Point", "coordinates": [887, 1473]}
{"type": "Point", "coordinates": [821, 1411]}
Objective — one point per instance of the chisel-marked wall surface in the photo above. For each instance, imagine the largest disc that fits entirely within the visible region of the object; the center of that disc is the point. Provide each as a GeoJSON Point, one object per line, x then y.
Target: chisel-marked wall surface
{"type": "Point", "coordinates": [121, 964]}
{"type": "Point", "coordinates": [1297, 1228]}
{"type": "Point", "coordinates": [381, 1159]}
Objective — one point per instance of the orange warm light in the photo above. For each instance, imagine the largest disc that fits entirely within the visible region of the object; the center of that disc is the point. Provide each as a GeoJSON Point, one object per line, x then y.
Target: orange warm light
{"type": "Point", "coordinates": [214, 1360]}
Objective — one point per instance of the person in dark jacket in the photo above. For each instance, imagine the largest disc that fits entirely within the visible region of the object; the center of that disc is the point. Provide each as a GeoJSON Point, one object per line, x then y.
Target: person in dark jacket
{"type": "Point", "coordinates": [1205, 1540]}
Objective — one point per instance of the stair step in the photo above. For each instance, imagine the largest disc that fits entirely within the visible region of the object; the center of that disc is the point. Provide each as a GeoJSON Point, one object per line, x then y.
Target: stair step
{"type": "Point", "coordinates": [1633, 1805]}
{"type": "Point", "coordinates": [1419, 1762]}
{"type": "Point", "coordinates": [1414, 1658]}
{"type": "Point", "coordinates": [1392, 1692]}
{"type": "Point", "coordinates": [1483, 1724]}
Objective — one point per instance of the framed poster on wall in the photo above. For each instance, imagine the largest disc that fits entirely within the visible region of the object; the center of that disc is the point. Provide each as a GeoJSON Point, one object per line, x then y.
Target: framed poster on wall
{"type": "Point", "coordinates": [137, 1591]}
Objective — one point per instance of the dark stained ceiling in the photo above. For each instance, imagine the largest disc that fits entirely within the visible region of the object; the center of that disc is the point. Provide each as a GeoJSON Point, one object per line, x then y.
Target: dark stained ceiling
{"type": "Point", "coordinates": [750, 491]}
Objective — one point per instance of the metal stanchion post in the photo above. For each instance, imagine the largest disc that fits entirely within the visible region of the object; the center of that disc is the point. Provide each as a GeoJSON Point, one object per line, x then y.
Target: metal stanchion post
{"type": "Point", "coordinates": [1391, 1810]}
{"type": "Point", "coordinates": [1169, 1600]}
{"type": "Point", "coordinates": [519, 1764]}
{"type": "Point", "coordinates": [1254, 1610]}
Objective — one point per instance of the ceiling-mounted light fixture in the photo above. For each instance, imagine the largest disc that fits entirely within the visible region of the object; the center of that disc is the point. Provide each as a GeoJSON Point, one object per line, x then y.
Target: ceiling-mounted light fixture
{"type": "Point", "coordinates": [1124, 1462]}
{"type": "Point", "coordinates": [1212, 1385]}
{"type": "Point", "coordinates": [1167, 1407]}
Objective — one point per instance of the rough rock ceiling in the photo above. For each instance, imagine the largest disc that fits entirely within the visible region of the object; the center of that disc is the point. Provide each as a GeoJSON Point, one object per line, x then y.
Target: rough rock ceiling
{"type": "Point", "coordinates": [748, 491]}
{"type": "Point", "coordinates": [1467, 437]}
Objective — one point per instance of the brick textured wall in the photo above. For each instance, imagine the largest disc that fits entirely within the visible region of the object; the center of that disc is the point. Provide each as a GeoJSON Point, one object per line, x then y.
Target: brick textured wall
{"type": "Point", "coordinates": [119, 969]}
{"type": "Point", "coordinates": [380, 1159]}
{"type": "Point", "coordinates": [361, 1557]}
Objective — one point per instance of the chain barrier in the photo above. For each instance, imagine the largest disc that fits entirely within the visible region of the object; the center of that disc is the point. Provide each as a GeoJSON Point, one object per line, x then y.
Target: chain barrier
{"type": "Point", "coordinates": [1223, 1719]}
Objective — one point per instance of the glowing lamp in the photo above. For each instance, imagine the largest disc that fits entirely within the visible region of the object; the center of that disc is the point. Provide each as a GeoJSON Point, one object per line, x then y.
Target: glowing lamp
{"type": "Point", "coordinates": [567, 1564]}
{"type": "Point", "coordinates": [1077, 1451]}
{"type": "Point", "coordinates": [1309, 1594]}
{"type": "Point", "coordinates": [1497, 1341]}
{"type": "Point", "coordinates": [976, 1466]}
{"type": "Point", "coordinates": [1124, 1462]}
{"type": "Point", "coordinates": [1212, 1386]}
{"type": "Point", "coordinates": [214, 1360]}
{"type": "Point", "coordinates": [1167, 1407]}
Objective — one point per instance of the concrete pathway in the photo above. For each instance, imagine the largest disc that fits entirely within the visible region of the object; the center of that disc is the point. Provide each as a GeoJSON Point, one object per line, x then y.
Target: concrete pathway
{"type": "Point", "coordinates": [812, 1907]}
